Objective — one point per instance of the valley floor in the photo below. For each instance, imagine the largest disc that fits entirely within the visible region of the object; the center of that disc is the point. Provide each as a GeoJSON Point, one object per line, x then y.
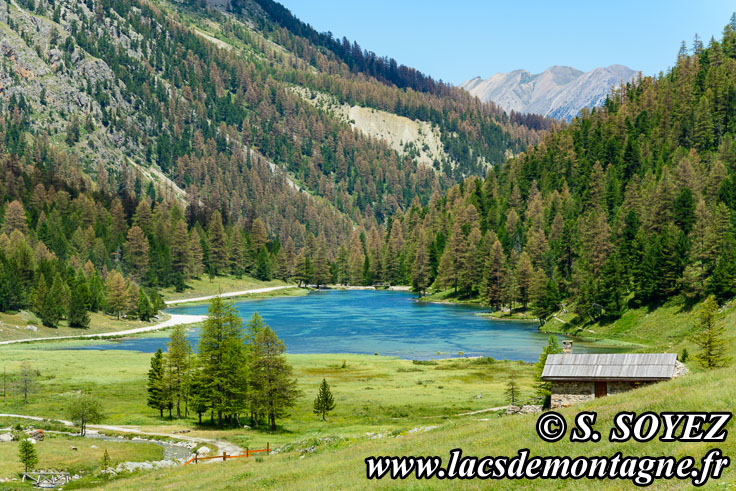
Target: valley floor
{"type": "Point", "coordinates": [385, 406]}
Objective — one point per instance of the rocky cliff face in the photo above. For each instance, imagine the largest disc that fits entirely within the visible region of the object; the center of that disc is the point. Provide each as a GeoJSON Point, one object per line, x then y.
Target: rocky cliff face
{"type": "Point", "coordinates": [559, 92]}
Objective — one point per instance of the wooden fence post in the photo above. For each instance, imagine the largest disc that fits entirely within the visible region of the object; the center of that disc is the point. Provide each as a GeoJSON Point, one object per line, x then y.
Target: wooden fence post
{"type": "Point", "coordinates": [246, 451]}
{"type": "Point", "coordinates": [268, 448]}
{"type": "Point", "coordinates": [224, 456]}
{"type": "Point", "coordinates": [196, 458]}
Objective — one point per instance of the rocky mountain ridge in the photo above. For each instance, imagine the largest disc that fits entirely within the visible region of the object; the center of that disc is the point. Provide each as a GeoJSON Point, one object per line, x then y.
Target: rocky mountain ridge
{"type": "Point", "coordinates": [559, 92]}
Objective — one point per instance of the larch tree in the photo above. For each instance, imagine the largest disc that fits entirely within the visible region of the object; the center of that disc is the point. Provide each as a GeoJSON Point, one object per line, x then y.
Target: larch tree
{"type": "Point", "coordinates": [494, 275]}
{"type": "Point", "coordinates": [525, 273]}
{"type": "Point", "coordinates": [84, 409]}
{"type": "Point", "coordinates": [14, 218]}
{"type": "Point", "coordinates": [218, 251]}
{"type": "Point", "coordinates": [273, 388]}
{"type": "Point", "coordinates": [117, 295]}
{"type": "Point", "coordinates": [195, 248]}
{"type": "Point", "coordinates": [178, 357]}
{"type": "Point", "coordinates": [710, 337]}
{"type": "Point", "coordinates": [512, 390]}
{"type": "Point", "coordinates": [137, 252]}
{"type": "Point", "coordinates": [452, 264]}
{"type": "Point", "coordinates": [155, 388]}
{"type": "Point", "coordinates": [27, 380]}
{"type": "Point", "coordinates": [181, 250]}
{"type": "Point", "coordinates": [321, 267]}
{"type": "Point", "coordinates": [222, 359]}
{"type": "Point", "coordinates": [420, 268]}
{"type": "Point", "coordinates": [356, 260]}
{"type": "Point", "coordinates": [552, 348]}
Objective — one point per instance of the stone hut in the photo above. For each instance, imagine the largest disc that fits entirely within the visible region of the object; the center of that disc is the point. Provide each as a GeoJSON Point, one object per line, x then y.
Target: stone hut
{"type": "Point", "coordinates": [582, 377]}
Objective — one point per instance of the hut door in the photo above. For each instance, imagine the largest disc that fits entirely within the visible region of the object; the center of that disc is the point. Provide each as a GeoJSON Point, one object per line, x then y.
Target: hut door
{"type": "Point", "coordinates": [600, 389]}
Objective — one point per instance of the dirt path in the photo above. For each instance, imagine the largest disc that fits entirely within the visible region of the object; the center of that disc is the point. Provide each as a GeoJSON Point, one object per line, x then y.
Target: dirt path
{"type": "Point", "coordinates": [220, 445]}
{"type": "Point", "coordinates": [479, 411]}
{"type": "Point", "coordinates": [229, 294]}
{"type": "Point", "coordinates": [173, 320]}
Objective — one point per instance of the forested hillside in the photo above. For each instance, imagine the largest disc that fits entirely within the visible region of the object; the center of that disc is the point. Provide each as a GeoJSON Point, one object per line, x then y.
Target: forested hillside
{"type": "Point", "coordinates": [165, 141]}
{"type": "Point", "coordinates": [629, 205]}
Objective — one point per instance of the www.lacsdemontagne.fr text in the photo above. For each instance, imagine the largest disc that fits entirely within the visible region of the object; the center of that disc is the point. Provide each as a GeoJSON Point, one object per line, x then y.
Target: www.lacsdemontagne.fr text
{"type": "Point", "coordinates": [642, 471]}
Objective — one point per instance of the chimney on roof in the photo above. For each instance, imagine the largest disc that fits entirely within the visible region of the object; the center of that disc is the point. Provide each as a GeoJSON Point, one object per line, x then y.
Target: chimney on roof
{"type": "Point", "coordinates": [567, 347]}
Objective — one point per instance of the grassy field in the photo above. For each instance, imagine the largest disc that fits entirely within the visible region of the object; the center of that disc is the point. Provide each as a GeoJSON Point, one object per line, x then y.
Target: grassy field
{"type": "Point", "coordinates": [373, 393]}
{"type": "Point", "coordinates": [26, 325]}
{"type": "Point", "coordinates": [55, 452]}
{"type": "Point", "coordinates": [221, 284]}
{"type": "Point", "coordinates": [667, 328]}
{"type": "Point", "coordinates": [341, 464]}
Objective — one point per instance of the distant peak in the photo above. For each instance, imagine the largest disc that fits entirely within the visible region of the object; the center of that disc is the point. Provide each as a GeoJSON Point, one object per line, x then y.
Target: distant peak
{"type": "Point", "coordinates": [559, 91]}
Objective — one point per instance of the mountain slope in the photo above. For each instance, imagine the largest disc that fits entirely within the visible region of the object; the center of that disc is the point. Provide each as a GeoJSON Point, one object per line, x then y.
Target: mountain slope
{"type": "Point", "coordinates": [559, 92]}
{"type": "Point", "coordinates": [160, 85]}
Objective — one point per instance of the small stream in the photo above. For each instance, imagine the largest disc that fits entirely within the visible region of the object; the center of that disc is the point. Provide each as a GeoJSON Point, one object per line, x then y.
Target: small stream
{"type": "Point", "coordinates": [172, 450]}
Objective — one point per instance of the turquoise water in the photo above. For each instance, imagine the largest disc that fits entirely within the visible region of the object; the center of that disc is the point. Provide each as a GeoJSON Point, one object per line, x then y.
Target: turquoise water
{"type": "Point", "coordinates": [383, 322]}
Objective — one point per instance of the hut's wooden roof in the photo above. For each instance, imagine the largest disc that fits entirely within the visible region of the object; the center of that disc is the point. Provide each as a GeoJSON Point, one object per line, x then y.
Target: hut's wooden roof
{"type": "Point", "coordinates": [634, 366]}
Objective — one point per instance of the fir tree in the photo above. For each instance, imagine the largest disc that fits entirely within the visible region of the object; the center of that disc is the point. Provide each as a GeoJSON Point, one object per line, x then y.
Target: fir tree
{"type": "Point", "coordinates": [324, 402]}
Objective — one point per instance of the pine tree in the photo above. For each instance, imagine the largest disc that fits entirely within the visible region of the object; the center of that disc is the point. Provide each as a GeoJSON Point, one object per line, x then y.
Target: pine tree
{"type": "Point", "coordinates": [325, 402]}
{"type": "Point", "coordinates": [27, 454]}
{"type": "Point", "coordinates": [710, 337]}
{"type": "Point", "coordinates": [156, 398]}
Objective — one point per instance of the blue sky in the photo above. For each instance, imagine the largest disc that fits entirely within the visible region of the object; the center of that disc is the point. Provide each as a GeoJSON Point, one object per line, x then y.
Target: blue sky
{"type": "Point", "coordinates": [458, 40]}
